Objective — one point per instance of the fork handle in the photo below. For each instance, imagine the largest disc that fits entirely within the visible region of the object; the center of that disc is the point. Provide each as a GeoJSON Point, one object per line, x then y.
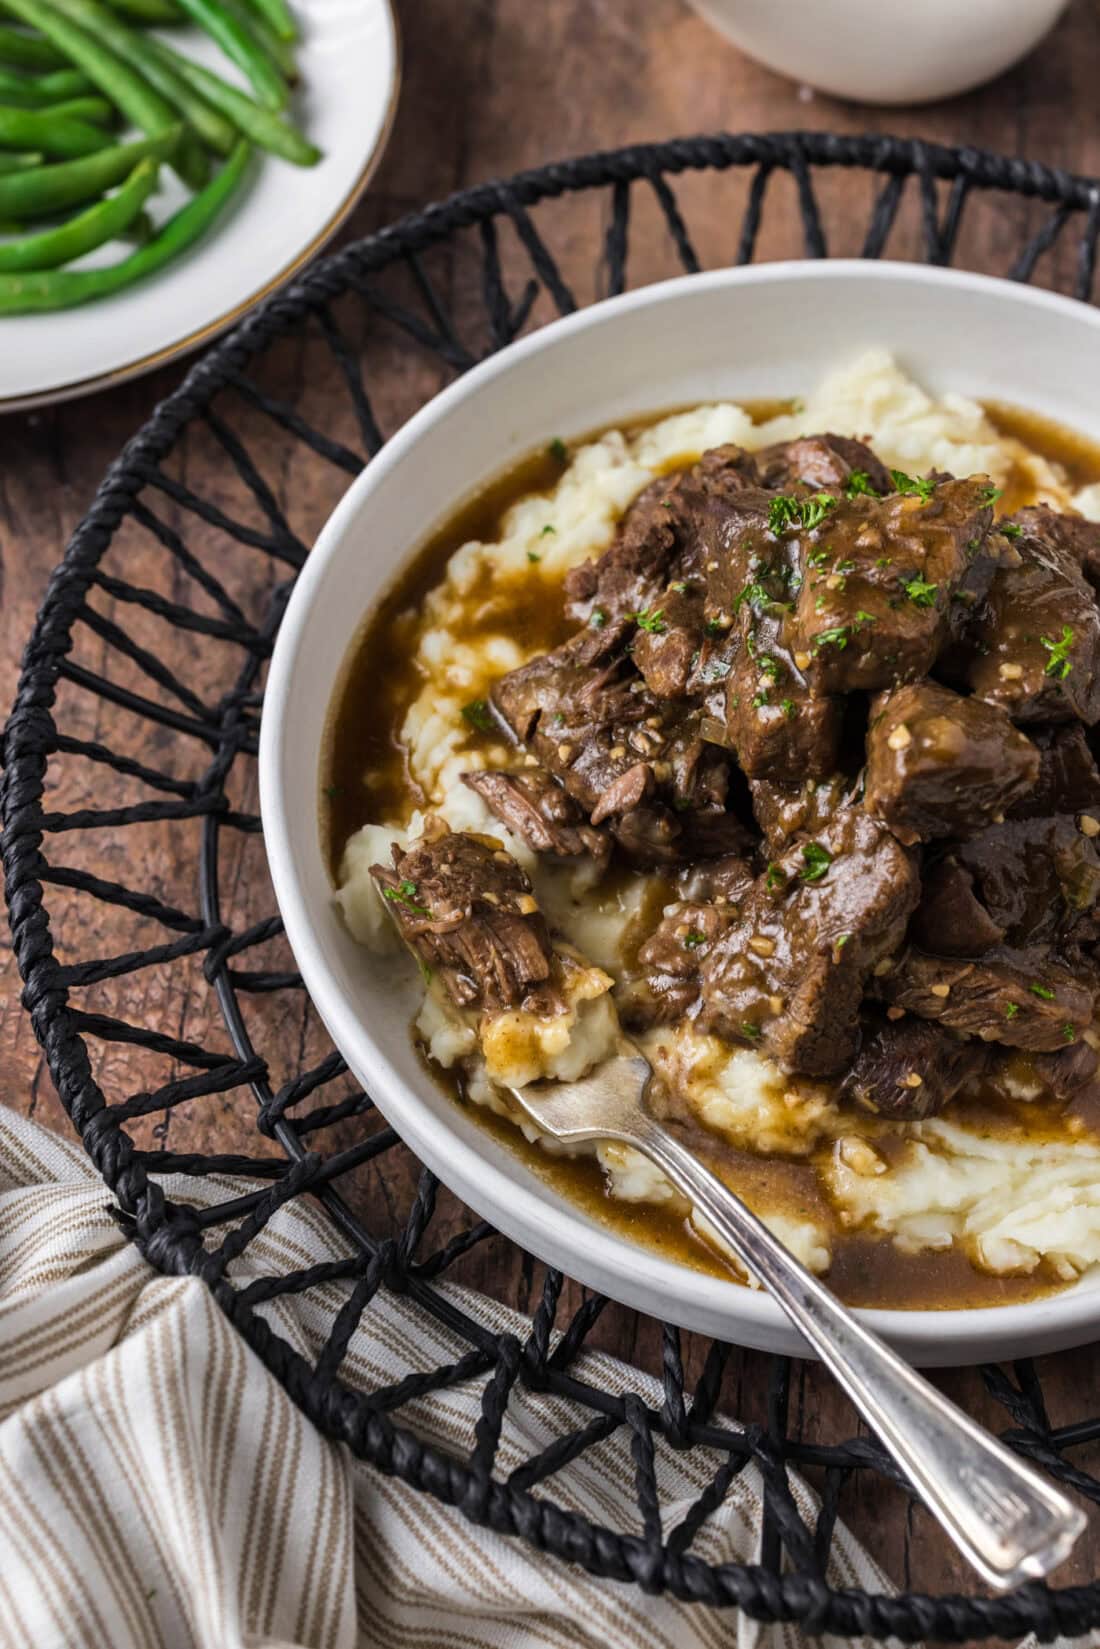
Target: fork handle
{"type": "Point", "coordinates": [1010, 1523]}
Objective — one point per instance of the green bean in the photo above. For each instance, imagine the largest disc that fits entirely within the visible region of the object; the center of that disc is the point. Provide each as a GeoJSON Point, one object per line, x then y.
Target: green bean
{"type": "Point", "coordinates": [95, 109]}
{"type": "Point", "coordinates": [28, 51]}
{"type": "Point", "coordinates": [44, 289]}
{"type": "Point", "coordinates": [115, 79]}
{"type": "Point", "coordinates": [106, 220]}
{"type": "Point", "coordinates": [36, 92]}
{"type": "Point", "coordinates": [15, 162]}
{"type": "Point", "coordinates": [277, 15]}
{"type": "Point", "coordinates": [50, 189]}
{"type": "Point", "coordinates": [216, 132]}
{"type": "Point", "coordinates": [279, 53]}
{"type": "Point", "coordinates": [146, 12]}
{"type": "Point", "coordinates": [45, 130]}
{"type": "Point", "coordinates": [192, 160]}
{"type": "Point", "coordinates": [266, 130]}
{"type": "Point", "coordinates": [239, 45]}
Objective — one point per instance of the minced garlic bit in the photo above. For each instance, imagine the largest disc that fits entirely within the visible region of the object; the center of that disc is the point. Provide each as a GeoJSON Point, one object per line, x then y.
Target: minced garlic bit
{"type": "Point", "coordinates": [896, 1013]}
{"type": "Point", "coordinates": [1088, 826]}
{"type": "Point", "coordinates": [913, 1080]}
{"type": "Point", "coordinates": [775, 1003]}
{"type": "Point", "coordinates": [565, 752]}
{"type": "Point", "coordinates": [941, 990]}
{"type": "Point", "coordinates": [1011, 672]}
{"type": "Point", "coordinates": [802, 660]}
{"type": "Point", "coordinates": [617, 752]}
{"type": "Point", "coordinates": [881, 969]}
{"type": "Point", "coordinates": [762, 945]}
{"type": "Point", "coordinates": [526, 905]}
{"type": "Point", "coordinates": [900, 737]}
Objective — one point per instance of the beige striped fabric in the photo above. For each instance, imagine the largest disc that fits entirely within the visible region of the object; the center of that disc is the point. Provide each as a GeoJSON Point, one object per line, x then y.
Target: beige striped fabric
{"type": "Point", "coordinates": [159, 1490]}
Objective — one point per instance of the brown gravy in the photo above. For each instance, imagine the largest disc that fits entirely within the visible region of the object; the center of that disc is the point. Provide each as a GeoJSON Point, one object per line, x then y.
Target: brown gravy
{"type": "Point", "coordinates": [365, 776]}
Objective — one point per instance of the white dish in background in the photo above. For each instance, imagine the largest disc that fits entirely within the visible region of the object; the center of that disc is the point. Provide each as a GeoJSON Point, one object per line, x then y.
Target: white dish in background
{"type": "Point", "coordinates": [349, 68]}
{"type": "Point", "coordinates": [876, 52]}
{"type": "Point", "coordinates": [766, 332]}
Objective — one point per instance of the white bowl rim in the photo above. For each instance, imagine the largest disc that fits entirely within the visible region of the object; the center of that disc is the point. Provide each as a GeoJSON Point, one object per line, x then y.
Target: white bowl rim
{"type": "Point", "coordinates": [946, 1336]}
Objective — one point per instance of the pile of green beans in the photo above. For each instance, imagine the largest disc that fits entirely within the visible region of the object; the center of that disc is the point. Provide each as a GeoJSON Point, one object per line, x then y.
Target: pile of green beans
{"type": "Point", "coordinates": [70, 71]}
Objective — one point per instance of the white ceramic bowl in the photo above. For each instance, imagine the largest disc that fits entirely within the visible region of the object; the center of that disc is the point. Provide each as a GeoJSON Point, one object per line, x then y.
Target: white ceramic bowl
{"type": "Point", "coordinates": [767, 331]}
{"type": "Point", "coordinates": [885, 51]}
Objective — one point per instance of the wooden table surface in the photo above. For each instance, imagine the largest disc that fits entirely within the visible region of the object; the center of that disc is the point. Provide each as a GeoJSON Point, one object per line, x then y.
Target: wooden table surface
{"type": "Point", "coordinates": [491, 86]}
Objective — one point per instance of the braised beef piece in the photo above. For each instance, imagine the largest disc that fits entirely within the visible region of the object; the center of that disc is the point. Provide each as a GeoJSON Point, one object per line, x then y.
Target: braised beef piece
{"type": "Point", "coordinates": [627, 757]}
{"type": "Point", "coordinates": [907, 1069]}
{"type": "Point", "coordinates": [1023, 998]}
{"type": "Point", "coordinates": [466, 909]}
{"type": "Point", "coordinates": [826, 462]}
{"type": "Point", "coordinates": [788, 974]}
{"type": "Point", "coordinates": [950, 918]}
{"type": "Point", "coordinates": [670, 962]}
{"type": "Point", "coordinates": [1068, 779]}
{"type": "Point", "coordinates": [1059, 1078]}
{"type": "Point", "coordinates": [1037, 878]}
{"type": "Point", "coordinates": [1080, 538]}
{"type": "Point", "coordinates": [880, 574]}
{"type": "Point", "coordinates": [783, 811]}
{"type": "Point", "coordinates": [1032, 644]}
{"type": "Point", "coordinates": [534, 807]}
{"type": "Point", "coordinates": [942, 765]}
{"type": "Point", "coordinates": [717, 881]}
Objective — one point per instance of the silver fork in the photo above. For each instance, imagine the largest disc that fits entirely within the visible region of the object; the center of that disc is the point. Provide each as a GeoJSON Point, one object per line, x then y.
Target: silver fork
{"type": "Point", "coordinates": [1002, 1515]}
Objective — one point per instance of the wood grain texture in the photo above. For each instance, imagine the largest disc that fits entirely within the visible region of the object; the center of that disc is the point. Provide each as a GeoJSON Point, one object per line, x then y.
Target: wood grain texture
{"type": "Point", "coordinates": [490, 86]}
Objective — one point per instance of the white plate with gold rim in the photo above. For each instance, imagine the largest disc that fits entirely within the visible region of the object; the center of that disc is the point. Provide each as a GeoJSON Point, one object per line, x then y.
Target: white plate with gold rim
{"type": "Point", "coordinates": [349, 66]}
{"type": "Point", "coordinates": [743, 334]}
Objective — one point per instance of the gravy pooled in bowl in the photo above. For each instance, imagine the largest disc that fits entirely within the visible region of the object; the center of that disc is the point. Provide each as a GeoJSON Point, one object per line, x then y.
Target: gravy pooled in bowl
{"type": "Point", "coordinates": [770, 747]}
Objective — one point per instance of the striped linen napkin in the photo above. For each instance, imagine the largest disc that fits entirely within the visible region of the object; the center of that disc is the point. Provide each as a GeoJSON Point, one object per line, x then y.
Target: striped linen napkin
{"type": "Point", "coordinates": [159, 1489]}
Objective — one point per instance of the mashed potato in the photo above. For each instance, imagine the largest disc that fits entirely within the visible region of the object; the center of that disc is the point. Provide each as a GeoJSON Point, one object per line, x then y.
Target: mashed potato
{"type": "Point", "coordinates": [1009, 1201]}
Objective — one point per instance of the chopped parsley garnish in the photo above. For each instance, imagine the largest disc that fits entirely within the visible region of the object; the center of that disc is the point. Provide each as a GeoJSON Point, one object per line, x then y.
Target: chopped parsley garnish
{"type": "Point", "coordinates": [913, 486]}
{"type": "Point", "coordinates": [990, 495]}
{"type": "Point", "coordinates": [788, 708]}
{"type": "Point", "coordinates": [775, 879]}
{"type": "Point", "coordinates": [425, 973]}
{"type": "Point", "coordinates": [680, 589]}
{"type": "Point", "coordinates": [843, 567]}
{"type": "Point", "coordinates": [756, 596]}
{"type": "Point", "coordinates": [532, 555]}
{"type": "Point", "coordinates": [1058, 664]}
{"type": "Point", "coordinates": [559, 719]}
{"type": "Point", "coordinates": [816, 861]}
{"type": "Point", "coordinates": [717, 670]}
{"type": "Point", "coordinates": [819, 604]}
{"type": "Point", "coordinates": [597, 618]}
{"type": "Point", "coordinates": [770, 666]}
{"type": "Point", "coordinates": [405, 894]}
{"type": "Point", "coordinates": [750, 1030]}
{"type": "Point", "coordinates": [558, 450]}
{"type": "Point", "coordinates": [760, 699]}
{"type": "Point", "coordinates": [549, 528]}
{"type": "Point", "coordinates": [864, 618]}
{"type": "Point", "coordinates": [478, 714]}
{"type": "Point", "coordinates": [787, 511]}
{"type": "Point", "coordinates": [715, 627]}
{"type": "Point", "coordinates": [818, 559]}
{"type": "Point", "coordinates": [650, 621]}
{"type": "Point", "coordinates": [693, 938]}
{"type": "Point", "coordinates": [883, 561]}
{"type": "Point", "coordinates": [1010, 529]}
{"type": "Point", "coordinates": [859, 482]}
{"type": "Point", "coordinates": [841, 940]}
{"type": "Point", "coordinates": [1041, 991]}
{"type": "Point", "coordinates": [1068, 1033]}
{"type": "Point", "coordinates": [837, 638]}
{"type": "Point", "coordinates": [920, 592]}
{"type": "Point", "coordinates": [1011, 1009]}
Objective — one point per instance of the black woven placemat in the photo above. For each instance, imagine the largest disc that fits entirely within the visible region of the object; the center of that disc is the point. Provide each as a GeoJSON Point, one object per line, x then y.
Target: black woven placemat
{"type": "Point", "coordinates": [159, 622]}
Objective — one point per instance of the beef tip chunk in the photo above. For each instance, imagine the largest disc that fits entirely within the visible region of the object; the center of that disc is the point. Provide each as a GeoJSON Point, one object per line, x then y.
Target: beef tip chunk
{"type": "Point", "coordinates": [669, 639]}
{"type": "Point", "coordinates": [907, 1069]}
{"type": "Point", "coordinates": [624, 756]}
{"type": "Point", "coordinates": [534, 807]}
{"type": "Point", "coordinates": [950, 919]}
{"type": "Point", "coordinates": [466, 910]}
{"type": "Point", "coordinates": [879, 575]}
{"type": "Point", "coordinates": [669, 962]}
{"type": "Point", "coordinates": [1068, 778]}
{"type": "Point", "coordinates": [941, 765]}
{"type": "Point", "coordinates": [1080, 538]}
{"type": "Point", "coordinates": [784, 811]}
{"type": "Point", "coordinates": [1037, 878]}
{"type": "Point", "coordinates": [1023, 998]}
{"type": "Point", "coordinates": [1033, 641]}
{"type": "Point", "coordinates": [723, 881]}
{"type": "Point", "coordinates": [788, 974]}
{"type": "Point", "coordinates": [1057, 1078]}
{"type": "Point", "coordinates": [671, 526]}
{"type": "Point", "coordinates": [829, 462]}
